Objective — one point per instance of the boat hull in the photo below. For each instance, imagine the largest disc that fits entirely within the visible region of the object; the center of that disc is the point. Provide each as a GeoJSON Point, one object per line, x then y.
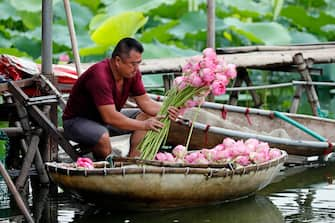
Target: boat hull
{"type": "Point", "coordinates": [151, 188]}
{"type": "Point", "coordinates": [211, 127]}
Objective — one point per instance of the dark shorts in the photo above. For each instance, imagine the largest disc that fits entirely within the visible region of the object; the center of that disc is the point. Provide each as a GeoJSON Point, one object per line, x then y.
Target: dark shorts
{"type": "Point", "coordinates": [88, 132]}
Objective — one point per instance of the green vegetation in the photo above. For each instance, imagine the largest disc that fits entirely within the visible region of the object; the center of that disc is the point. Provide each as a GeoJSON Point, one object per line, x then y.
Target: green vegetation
{"type": "Point", "coordinates": [169, 28]}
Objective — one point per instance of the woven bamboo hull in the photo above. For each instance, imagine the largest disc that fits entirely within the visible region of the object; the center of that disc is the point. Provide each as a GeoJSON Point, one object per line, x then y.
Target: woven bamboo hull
{"type": "Point", "coordinates": [211, 129]}
{"type": "Point", "coordinates": [152, 187]}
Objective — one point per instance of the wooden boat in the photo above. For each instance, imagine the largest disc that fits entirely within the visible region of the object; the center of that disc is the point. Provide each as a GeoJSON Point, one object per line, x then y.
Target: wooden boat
{"type": "Point", "coordinates": [216, 121]}
{"type": "Point", "coordinates": [149, 185]}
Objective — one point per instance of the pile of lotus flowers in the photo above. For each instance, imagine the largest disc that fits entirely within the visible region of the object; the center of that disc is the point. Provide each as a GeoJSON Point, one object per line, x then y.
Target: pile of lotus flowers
{"type": "Point", "coordinates": [83, 162]}
{"type": "Point", "coordinates": [252, 151]}
{"type": "Point", "coordinates": [201, 75]}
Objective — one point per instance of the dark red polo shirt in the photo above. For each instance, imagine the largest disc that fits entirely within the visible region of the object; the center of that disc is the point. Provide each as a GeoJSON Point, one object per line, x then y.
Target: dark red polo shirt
{"type": "Point", "coordinates": [95, 87]}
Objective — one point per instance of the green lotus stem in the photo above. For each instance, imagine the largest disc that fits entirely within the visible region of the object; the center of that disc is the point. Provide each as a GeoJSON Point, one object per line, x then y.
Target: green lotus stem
{"type": "Point", "coordinates": [192, 126]}
{"type": "Point", "coordinates": [152, 141]}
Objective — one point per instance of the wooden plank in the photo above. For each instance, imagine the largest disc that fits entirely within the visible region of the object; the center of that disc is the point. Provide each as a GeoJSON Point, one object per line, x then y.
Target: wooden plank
{"type": "Point", "coordinates": [256, 59]}
{"type": "Point", "coordinates": [310, 89]}
{"type": "Point", "coordinates": [28, 159]}
{"type": "Point", "coordinates": [21, 83]}
{"type": "Point", "coordinates": [43, 121]}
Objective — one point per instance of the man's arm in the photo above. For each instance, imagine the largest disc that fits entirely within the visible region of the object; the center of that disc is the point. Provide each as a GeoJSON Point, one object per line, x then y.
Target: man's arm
{"type": "Point", "coordinates": [112, 117]}
{"type": "Point", "coordinates": [147, 105]}
{"type": "Point", "coordinates": [152, 107]}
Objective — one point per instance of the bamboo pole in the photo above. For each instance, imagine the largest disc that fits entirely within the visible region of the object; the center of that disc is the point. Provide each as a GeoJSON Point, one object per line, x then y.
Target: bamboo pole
{"type": "Point", "coordinates": [310, 90]}
{"type": "Point", "coordinates": [296, 99]}
{"type": "Point", "coordinates": [211, 23]}
{"type": "Point", "coordinates": [70, 25]}
{"type": "Point", "coordinates": [16, 194]}
{"type": "Point", "coordinates": [248, 49]}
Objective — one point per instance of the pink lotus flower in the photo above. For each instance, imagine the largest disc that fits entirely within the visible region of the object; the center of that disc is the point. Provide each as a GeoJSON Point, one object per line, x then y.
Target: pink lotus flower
{"type": "Point", "coordinates": [222, 156]}
{"type": "Point", "coordinates": [252, 144]}
{"type": "Point", "coordinates": [165, 157]}
{"type": "Point", "coordinates": [209, 154]}
{"type": "Point", "coordinates": [209, 53]}
{"type": "Point", "coordinates": [200, 158]}
{"type": "Point", "coordinates": [228, 142]}
{"type": "Point", "coordinates": [243, 160]}
{"type": "Point", "coordinates": [219, 147]}
{"type": "Point", "coordinates": [259, 157]}
{"type": "Point", "coordinates": [64, 58]}
{"type": "Point", "coordinates": [274, 153]}
{"type": "Point", "coordinates": [180, 82]}
{"type": "Point", "coordinates": [263, 147]}
{"type": "Point", "coordinates": [218, 87]}
{"type": "Point", "coordinates": [179, 151]}
{"type": "Point", "coordinates": [239, 149]}
{"type": "Point", "coordinates": [84, 163]}
{"type": "Point", "coordinates": [195, 80]}
{"type": "Point", "coordinates": [231, 71]}
{"type": "Point", "coordinates": [191, 157]}
{"type": "Point", "coordinates": [207, 75]}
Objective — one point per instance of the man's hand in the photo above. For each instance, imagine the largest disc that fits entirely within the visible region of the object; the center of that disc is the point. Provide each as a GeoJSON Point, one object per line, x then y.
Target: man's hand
{"type": "Point", "coordinates": [153, 123]}
{"type": "Point", "coordinates": [173, 113]}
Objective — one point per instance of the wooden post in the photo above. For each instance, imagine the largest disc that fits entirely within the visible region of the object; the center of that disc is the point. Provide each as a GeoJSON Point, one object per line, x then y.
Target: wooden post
{"type": "Point", "coordinates": [16, 194]}
{"type": "Point", "coordinates": [242, 75]}
{"type": "Point", "coordinates": [296, 99]}
{"type": "Point", "coordinates": [72, 32]}
{"type": "Point", "coordinates": [310, 90]}
{"type": "Point", "coordinates": [42, 120]}
{"type": "Point", "coordinates": [28, 159]}
{"type": "Point", "coordinates": [211, 23]}
{"type": "Point", "coordinates": [167, 81]}
{"type": "Point", "coordinates": [254, 95]}
{"type": "Point", "coordinates": [233, 97]}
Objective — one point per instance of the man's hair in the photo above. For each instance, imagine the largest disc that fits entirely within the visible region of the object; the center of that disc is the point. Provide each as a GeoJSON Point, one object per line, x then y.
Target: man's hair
{"type": "Point", "coordinates": [125, 45]}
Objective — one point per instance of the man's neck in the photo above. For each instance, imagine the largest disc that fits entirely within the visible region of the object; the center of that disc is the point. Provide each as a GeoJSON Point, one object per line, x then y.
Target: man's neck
{"type": "Point", "coordinates": [116, 75]}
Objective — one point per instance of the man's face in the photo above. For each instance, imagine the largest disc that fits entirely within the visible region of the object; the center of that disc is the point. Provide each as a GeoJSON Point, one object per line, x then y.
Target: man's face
{"type": "Point", "coordinates": [128, 66]}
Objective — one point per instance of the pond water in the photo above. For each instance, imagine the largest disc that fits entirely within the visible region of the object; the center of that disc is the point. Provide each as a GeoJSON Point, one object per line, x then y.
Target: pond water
{"type": "Point", "coordinates": [298, 194]}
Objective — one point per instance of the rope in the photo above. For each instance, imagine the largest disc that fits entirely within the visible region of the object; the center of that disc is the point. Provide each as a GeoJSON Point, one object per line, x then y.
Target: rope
{"type": "Point", "coordinates": [246, 113]}
{"type": "Point", "coordinates": [206, 135]}
{"type": "Point", "coordinates": [329, 149]}
{"type": "Point", "coordinates": [224, 113]}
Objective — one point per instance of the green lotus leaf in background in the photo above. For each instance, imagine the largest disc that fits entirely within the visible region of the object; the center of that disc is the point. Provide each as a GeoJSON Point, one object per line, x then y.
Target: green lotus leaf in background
{"type": "Point", "coordinates": [80, 13]}
{"type": "Point", "coordinates": [14, 52]}
{"type": "Point", "coordinates": [314, 23]}
{"type": "Point", "coordinates": [31, 46]}
{"type": "Point", "coordinates": [159, 33]}
{"type": "Point", "coordinates": [269, 33]}
{"type": "Point", "coordinates": [93, 5]}
{"type": "Point", "coordinates": [118, 27]}
{"type": "Point", "coordinates": [115, 7]}
{"type": "Point", "coordinates": [96, 21]}
{"type": "Point", "coordinates": [249, 8]}
{"type": "Point", "coordinates": [31, 20]}
{"type": "Point", "coordinates": [303, 37]}
{"type": "Point", "coordinates": [159, 50]}
{"type": "Point", "coordinates": [277, 7]}
{"type": "Point", "coordinates": [8, 11]}
{"type": "Point", "coordinates": [194, 22]}
{"type": "Point", "coordinates": [191, 22]}
{"type": "Point", "coordinates": [4, 42]}
{"type": "Point", "coordinates": [29, 5]}
{"type": "Point", "coordinates": [93, 50]}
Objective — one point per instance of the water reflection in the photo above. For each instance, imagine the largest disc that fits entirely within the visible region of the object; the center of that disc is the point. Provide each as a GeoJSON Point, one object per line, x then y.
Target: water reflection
{"type": "Point", "coordinates": [254, 209]}
{"type": "Point", "coordinates": [304, 194]}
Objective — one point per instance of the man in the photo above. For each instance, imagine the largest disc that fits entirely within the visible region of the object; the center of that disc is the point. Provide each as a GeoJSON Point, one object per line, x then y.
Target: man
{"type": "Point", "coordinates": [94, 110]}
